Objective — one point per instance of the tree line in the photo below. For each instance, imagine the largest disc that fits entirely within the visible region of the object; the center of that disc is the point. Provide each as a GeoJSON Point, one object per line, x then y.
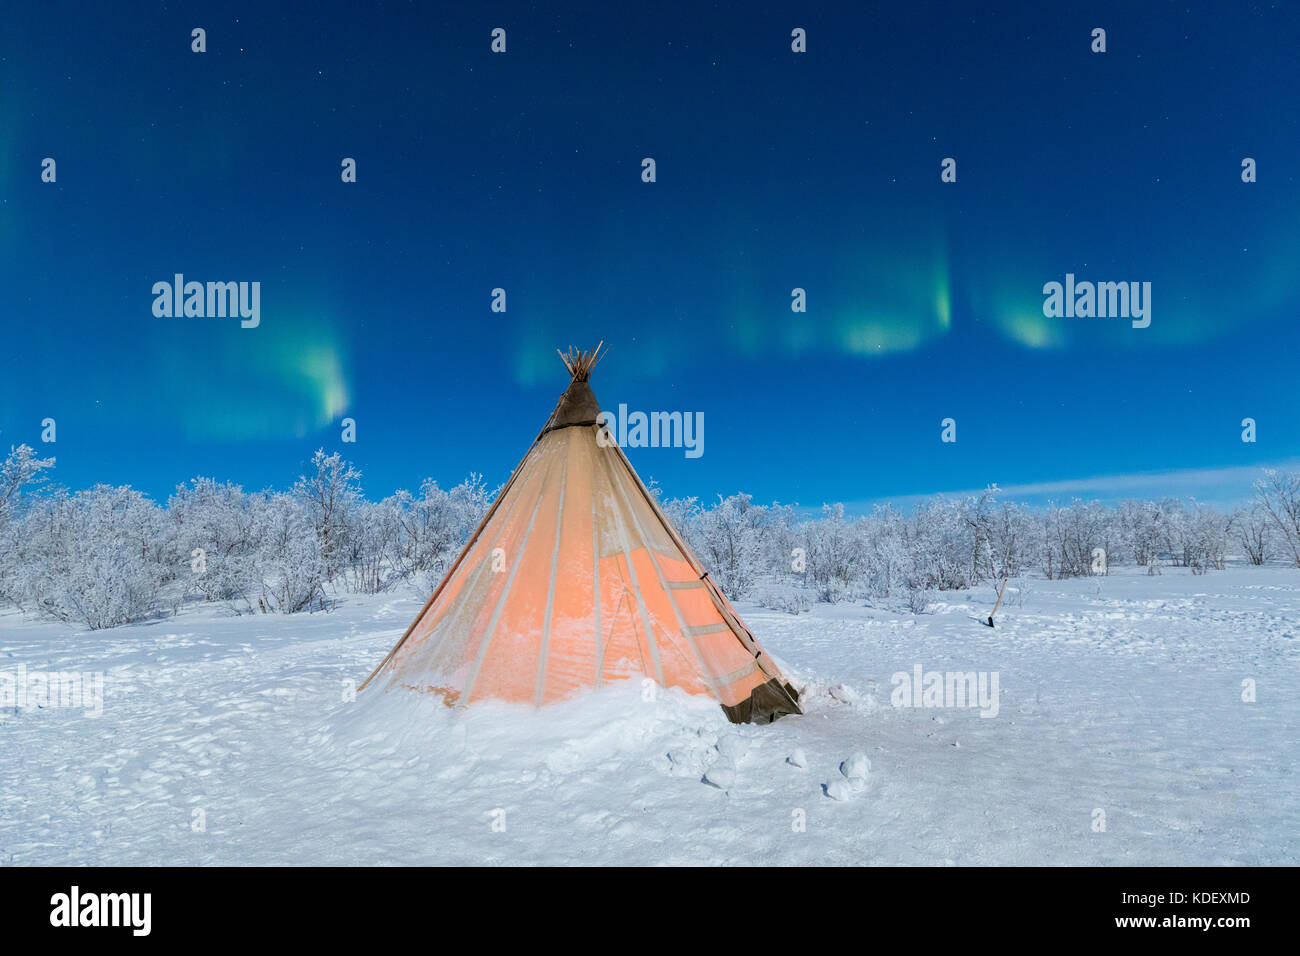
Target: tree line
{"type": "Point", "coordinates": [110, 555]}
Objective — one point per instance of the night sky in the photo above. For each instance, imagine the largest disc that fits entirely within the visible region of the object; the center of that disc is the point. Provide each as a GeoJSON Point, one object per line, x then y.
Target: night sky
{"type": "Point", "coordinates": [775, 170]}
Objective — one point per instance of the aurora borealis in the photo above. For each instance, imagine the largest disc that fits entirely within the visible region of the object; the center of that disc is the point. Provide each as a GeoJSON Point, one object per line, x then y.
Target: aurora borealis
{"type": "Point", "coordinates": [775, 170]}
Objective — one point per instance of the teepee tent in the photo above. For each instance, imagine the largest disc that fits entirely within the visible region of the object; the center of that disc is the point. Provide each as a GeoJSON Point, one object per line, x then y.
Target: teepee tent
{"type": "Point", "coordinates": [575, 578]}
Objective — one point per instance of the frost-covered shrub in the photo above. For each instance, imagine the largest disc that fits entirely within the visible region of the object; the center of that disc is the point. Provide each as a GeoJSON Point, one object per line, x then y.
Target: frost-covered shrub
{"type": "Point", "coordinates": [1278, 495]}
{"type": "Point", "coordinates": [917, 600]}
{"type": "Point", "coordinates": [885, 561]}
{"type": "Point", "coordinates": [216, 521]}
{"type": "Point", "coordinates": [370, 546]}
{"type": "Point", "coordinates": [789, 600]}
{"type": "Point", "coordinates": [1071, 537]}
{"type": "Point", "coordinates": [940, 547]}
{"type": "Point", "coordinates": [1208, 540]}
{"type": "Point", "coordinates": [329, 495]}
{"type": "Point", "coordinates": [433, 527]}
{"type": "Point", "coordinates": [289, 565]}
{"type": "Point", "coordinates": [945, 544]}
{"type": "Point", "coordinates": [1141, 526]}
{"type": "Point", "coordinates": [94, 558]}
{"type": "Point", "coordinates": [834, 553]}
{"type": "Point", "coordinates": [108, 555]}
{"type": "Point", "coordinates": [20, 473]}
{"type": "Point", "coordinates": [728, 540]}
{"type": "Point", "coordinates": [1253, 530]}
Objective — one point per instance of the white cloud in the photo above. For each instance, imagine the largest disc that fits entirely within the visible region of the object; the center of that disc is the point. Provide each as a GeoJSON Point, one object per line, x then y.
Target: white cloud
{"type": "Point", "coordinates": [1215, 486]}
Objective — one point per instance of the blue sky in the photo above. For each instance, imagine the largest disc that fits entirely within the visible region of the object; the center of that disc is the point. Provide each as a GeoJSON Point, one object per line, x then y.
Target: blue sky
{"type": "Point", "coordinates": [775, 170]}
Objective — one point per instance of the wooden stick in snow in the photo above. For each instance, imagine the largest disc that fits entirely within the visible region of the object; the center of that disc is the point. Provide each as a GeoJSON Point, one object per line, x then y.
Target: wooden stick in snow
{"type": "Point", "coordinates": [999, 602]}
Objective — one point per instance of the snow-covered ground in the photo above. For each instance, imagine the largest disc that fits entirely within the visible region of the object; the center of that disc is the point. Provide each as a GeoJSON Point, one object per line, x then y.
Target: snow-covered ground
{"type": "Point", "coordinates": [1120, 694]}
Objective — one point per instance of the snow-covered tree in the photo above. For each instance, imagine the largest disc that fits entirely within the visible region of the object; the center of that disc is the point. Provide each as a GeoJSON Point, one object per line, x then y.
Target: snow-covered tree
{"type": "Point", "coordinates": [92, 558]}
{"type": "Point", "coordinates": [329, 492]}
{"type": "Point", "coordinates": [435, 525]}
{"type": "Point", "coordinates": [1278, 493]}
{"type": "Point", "coordinates": [216, 521]}
{"type": "Point", "coordinates": [1209, 539]}
{"type": "Point", "coordinates": [20, 470]}
{"type": "Point", "coordinates": [289, 566]}
{"type": "Point", "coordinates": [834, 554]}
{"type": "Point", "coordinates": [372, 545]}
{"type": "Point", "coordinates": [729, 542]}
{"type": "Point", "coordinates": [1253, 529]}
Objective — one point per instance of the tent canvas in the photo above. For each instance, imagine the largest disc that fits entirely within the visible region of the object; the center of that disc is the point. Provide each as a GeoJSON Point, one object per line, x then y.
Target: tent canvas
{"type": "Point", "coordinates": [576, 578]}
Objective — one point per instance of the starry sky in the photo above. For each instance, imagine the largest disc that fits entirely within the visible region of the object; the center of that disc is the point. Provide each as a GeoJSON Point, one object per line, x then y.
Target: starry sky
{"type": "Point", "coordinates": [774, 170]}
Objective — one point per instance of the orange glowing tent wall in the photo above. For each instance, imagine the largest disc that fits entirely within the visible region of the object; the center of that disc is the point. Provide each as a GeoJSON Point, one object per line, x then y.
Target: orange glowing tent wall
{"type": "Point", "coordinates": [576, 578]}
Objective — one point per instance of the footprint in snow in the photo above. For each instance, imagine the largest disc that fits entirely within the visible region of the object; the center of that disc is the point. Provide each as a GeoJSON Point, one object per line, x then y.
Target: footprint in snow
{"type": "Point", "coordinates": [721, 775]}
{"type": "Point", "coordinates": [733, 746]}
{"type": "Point", "coordinates": [838, 790]}
{"type": "Point", "coordinates": [855, 770]}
